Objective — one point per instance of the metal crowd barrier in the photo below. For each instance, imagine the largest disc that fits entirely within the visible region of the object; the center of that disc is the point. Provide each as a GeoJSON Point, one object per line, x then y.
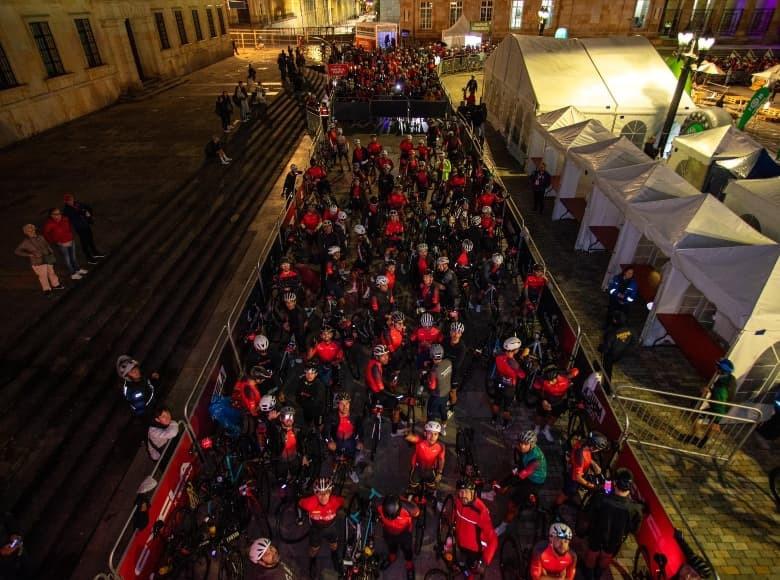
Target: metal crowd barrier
{"type": "Point", "coordinates": [282, 37]}
{"type": "Point", "coordinates": [462, 63]}
{"type": "Point", "coordinates": [682, 423]}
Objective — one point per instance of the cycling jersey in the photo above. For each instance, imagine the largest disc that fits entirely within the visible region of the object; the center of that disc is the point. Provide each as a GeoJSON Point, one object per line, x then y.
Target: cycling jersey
{"type": "Point", "coordinates": [508, 369]}
{"type": "Point", "coordinates": [535, 284]}
{"type": "Point", "coordinates": [374, 379]}
{"type": "Point", "coordinates": [327, 352]}
{"type": "Point", "coordinates": [406, 146]}
{"type": "Point", "coordinates": [423, 265]}
{"type": "Point", "coordinates": [397, 200]}
{"type": "Point", "coordinates": [320, 515]}
{"type": "Point", "coordinates": [392, 338]}
{"type": "Point", "coordinates": [488, 224]}
{"type": "Point", "coordinates": [423, 152]}
{"type": "Point", "coordinates": [247, 395]}
{"type": "Point", "coordinates": [474, 529]}
{"type": "Point", "coordinates": [390, 280]}
{"type": "Point", "coordinates": [556, 389]}
{"type": "Point", "coordinates": [440, 379]}
{"type": "Point", "coordinates": [289, 444]}
{"type": "Point", "coordinates": [311, 221]}
{"type": "Point", "coordinates": [345, 429]}
{"type": "Point", "coordinates": [315, 173]}
{"type": "Point", "coordinates": [374, 148]}
{"type": "Point", "coordinates": [429, 296]}
{"type": "Point", "coordinates": [385, 162]}
{"type": "Point", "coordinates": [580, 460]}
{"type": "Point", "coordinates": [457, 182]}
{"type": "Point", "coordinates": [398, 525]}
{"type": "Point", "coordinates": [330, 215]}
{"type": "Point", "coordinates": [425, 337]}
{"type": "Point", "coordinates": [427, 456]}
{"type": "Point", "coordinates": [533, 466]}
{"type": "Point", "coordinates": [394, 230]}
{"type": "Point", "coordinates": [463, 260]}
{"type": "Point", "coordinates": [546, 562]}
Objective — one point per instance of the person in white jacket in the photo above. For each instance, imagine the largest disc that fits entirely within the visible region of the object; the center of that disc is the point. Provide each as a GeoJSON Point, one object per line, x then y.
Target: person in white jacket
{"type": "Point", "coordinates": [161, 430]}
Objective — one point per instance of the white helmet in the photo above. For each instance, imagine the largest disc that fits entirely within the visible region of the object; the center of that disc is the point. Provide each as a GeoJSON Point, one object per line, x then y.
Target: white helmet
{"type": "Point", "coordinates": [258, 549]}
{"type": "Point", "coordinates": [322, 484]}
{"type": "Point", "coordinates": [512, 343]}
{"type": "Point", "coordinates": [333, 250]}
{"type": "Point", "coordinates": [125, 364]}
{"type": "Point", "coordinates": [359, 229]}
{"type": "Point", "coordinates": [261, 342]}
{"type": "Point", "coordinates": [562, 531]}
{"type": "Point", "coordinates": [433, 427]}
{"type": "Point", "coordinates": [357, 141]}
{"type": "Point", "coordinates": [442, 260]}
{"type": "Point", "coordinates": [487, 209]}
{"type": "Point", "coordinates": [380, 350]}
{"type": "Point", "coordinates": [426, 320]}
{"type": "Point", "coordinates": [467, 245]}
{"type": "Point", "coordinates": [497, 259]}
{"type": "Point", "coordinates": [422, 247]}
{"type": "Point", "coordinates": [267, 403]}
{"type": "Point", "coordinates": [476, 220]}
{"type": "Point", "coordinates": [342, 215]}
{"type": "Point", "coordinates": [382, 281]}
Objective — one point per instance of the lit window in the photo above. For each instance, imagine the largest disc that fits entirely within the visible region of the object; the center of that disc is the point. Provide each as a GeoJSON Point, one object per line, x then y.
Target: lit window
{"type": "Point", "coordinates": [426, 15]}
{"type": "Point", "coordinates": [48, 49]}
{"type": "Point", "coordinates": [456, 9]}
{"type": "Point", "coordinates": [486, 11]}
{"type": "Point", "coordinates": [516, 16]}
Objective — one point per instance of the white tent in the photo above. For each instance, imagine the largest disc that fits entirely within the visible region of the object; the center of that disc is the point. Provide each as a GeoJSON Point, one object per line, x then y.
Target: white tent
{"type": "Point", "coordinates": [768, 75]}
{"type": "Point", "coordinates": [544, 123]}
{"type": "Point", "coordinates": [760, 200]}
{"type": "Point", "coordinates": [622, 82]}
{"type": "Point", "coordinates": [460, 34]}
{"type": "Point", "coordinates": [699, 221]}
{"type": "Point", "coordinates": [615, 189]}
{"type": "Point", "coordinates": [692, 155]}
{"type": "Point", "coordinates": [582, 164]}
{"type": "Point", "coordinates": [560, 140]}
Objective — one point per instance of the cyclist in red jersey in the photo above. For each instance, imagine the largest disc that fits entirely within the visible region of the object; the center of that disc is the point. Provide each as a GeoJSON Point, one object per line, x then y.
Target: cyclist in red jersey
{"type": "Point", "coordinates": [394, 335]}
{"type": "Point", "coordinates": [394, 230]}
{"type": "Point", "coordinates": [331, 213]}
{"type": "Point", "coordinates": [385, 162]}
{"type": "Point", "coordinates": [507, 375]}
{"type": "Point", "coordinates": [397, 200]}
{"type": "Point", "coordinates": [397, 518]}
{"type": "Point", "coordinates": [427, 458]}
{"type": "Point", "coordinates": [579, 462]}
{"type": "Point", "coordinates": [553, 559]}
{"type": "Point", "coordinates": [475, 537]}
{"type": "Point", "coordinates": [374, 147]}
{"type": "Point", "coordinates": [377, 387]}
{"type": "Point", "coordinates": [328, 353]}
{"type": "Point", "coordinates": [533, 287]}
{"type": "Point", "coordinates": [553, 389]}
{"type": "Point", "coordinates": [422, 263]}
{"type": "Point", "coordinates": [428, 298]}
{"type": "Point", "coordinates": [424, 336]}
{"type": "Point", "coordinates": [323, 510]}
{"type": "Point", "coordinates": [389, 273]}
{"type": "Point", "coordinates": [406, 146]}
{"type": "Point", "coordinates": [422, 149]}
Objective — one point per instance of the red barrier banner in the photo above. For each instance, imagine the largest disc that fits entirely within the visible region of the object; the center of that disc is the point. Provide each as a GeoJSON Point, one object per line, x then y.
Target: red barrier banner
{"type": "Point", "coordinates": [142, 556]}
{"type": "Point", "coordinates": [338, 70]}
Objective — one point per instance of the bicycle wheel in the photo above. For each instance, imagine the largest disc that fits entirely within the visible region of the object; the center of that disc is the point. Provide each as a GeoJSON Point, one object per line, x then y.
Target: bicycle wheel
{"type": "Point", "coordinates": [291, 527]}
{"type": "Point", "coordinates": [541, 524]}
{"type": "Point", "coordinates": [641, 571]}
{"type": "Point", "coordinates": [231, 566]}
{"type": "Point", "coordinates": [577, 426]}
{"type": "Point", "coordinates": [774, 484]}
{"type": "Point", "coordinates": [446, 520]}
{"type": "Point", "coordinates": [436, 574]}
{"type": "Point", "coordinates": [512, 562]}
{"type": "Point", "coordinates": [339, 476]}
{"type": "Point", "coordinates": [419, 529]}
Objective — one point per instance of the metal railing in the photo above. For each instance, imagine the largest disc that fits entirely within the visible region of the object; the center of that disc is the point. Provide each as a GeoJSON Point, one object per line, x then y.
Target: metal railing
{"type": "Point", "coordinates": [158, 468]}
{"type": "Point", "coordinates": [462, 63]}
{"type": "Point", "coordinates": [282, 37]}
{"type": "Point", "coordinates": [682, 423]}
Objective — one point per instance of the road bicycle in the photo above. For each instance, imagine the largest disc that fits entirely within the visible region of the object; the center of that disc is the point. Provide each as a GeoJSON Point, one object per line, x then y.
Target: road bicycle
{"type": "Point", "coordinates": [359, 561]}
{"type": "Point", "coordinates": [446, 547]}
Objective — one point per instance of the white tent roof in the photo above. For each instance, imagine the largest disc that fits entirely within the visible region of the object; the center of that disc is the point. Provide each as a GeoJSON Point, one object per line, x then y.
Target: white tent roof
{"type": "Point", "coordinates": [718, 143]}
{"type": "Point", "coordinates": [644, 182]}
{"type": "Point", "coordinates": [580, 134]}
{"type": "Point", "coordinates": [647, 85]}
{"type": "Point", "coordinates": [759, 198]}
{"type": "Point", "coordinates": [608, 154]}
{"type": "Point", "coordinates": [560, 118]}
{"type": "Point", "coordinates": [772, 73]}
{"type": "Point", "coordinates": [461, 27]}
{"type": "Point", "coordinates": [741, 281]}
{"type": "Point", "coordinates": [692, 222]}
{"type": "Point", "coordinates": [561, 74]}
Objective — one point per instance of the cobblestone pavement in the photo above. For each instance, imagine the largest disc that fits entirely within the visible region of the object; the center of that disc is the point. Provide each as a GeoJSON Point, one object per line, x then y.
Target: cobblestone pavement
{"type": "Point", "coordinates": [730, 510]}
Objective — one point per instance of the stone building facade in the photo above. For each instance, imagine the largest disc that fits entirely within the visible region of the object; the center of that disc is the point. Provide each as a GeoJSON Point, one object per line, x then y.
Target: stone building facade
{"type": "Point", "coordinates": [294, 13]}
{"type": "Point", "coordinates": [63, 59]}
{"type": "Point", "coordinates": [731, 21]}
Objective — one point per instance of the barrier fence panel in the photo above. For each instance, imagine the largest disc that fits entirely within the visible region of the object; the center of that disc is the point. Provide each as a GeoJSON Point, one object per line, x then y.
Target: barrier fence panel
{"type": "Point", "coordinates": [686, 424]}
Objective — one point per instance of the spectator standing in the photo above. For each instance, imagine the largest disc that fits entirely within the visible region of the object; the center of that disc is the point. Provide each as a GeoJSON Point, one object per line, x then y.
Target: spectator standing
{"type": "Point", "coordinates": [224, 109]}
{"type": "Point", "coordinates": [241, 100]}
{"type": "Point", "coordinates": [612, 518]}
{"type": "Point", "coordinates": [281, 62]}
{"type": "Point", "coordinates": [80, 216]}
{"type": "Point", "coordinates": [138, 390]}
{"type": "Point", "coordinates": [540, 181]}
{"type": "Point", "coordinates": [618, 340]}
{"type": "Point", "coordinates": [251, 73]}
{"type": "Point", "coordinates": [622, 293]}
{"type": "Point", "coordinates": [57, 230]}
{"type": "Point", "coordinates": [42, 259]}
{"type": "Point", "coordinates": [161, 430]}
{"type": "Point", "coordinates": [235, 48]}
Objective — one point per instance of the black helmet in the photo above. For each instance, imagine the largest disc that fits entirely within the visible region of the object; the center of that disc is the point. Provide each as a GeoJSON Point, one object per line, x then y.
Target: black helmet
{"type": "Point", "coordinates": [465, 484]}
{"type": "Point", "coordinates": [597, 441]}
{"type": "Point", "coordinates": [260, 373]}
{"type": "Point", "coordinates": [550, 373]}
{"type": "Point", "coordinates": [391, 506]}
{"type": "Point", "coordinates": [623, 479]}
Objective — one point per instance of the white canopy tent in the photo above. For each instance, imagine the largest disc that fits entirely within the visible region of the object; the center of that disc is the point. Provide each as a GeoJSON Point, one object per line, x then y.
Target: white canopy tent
{"type": "Point", "coordinates": [769, 75]}
{"type": "Point", "coordinates": [760, 200]}
{"type": "Point", "coordinates": [579, 172]}
{"type": "Point", "coordinates": [620, 81]}
{"type": "Point", "coordinates": [692, 155]}
{"type": "Point", "coordinates": [460, 34]}
{"type": "Point", "coordinates": [615, 189]}
{"type": "Point", "coordinates": [560, 140]}
{"type": "Point", "coordinates": [542, 124]}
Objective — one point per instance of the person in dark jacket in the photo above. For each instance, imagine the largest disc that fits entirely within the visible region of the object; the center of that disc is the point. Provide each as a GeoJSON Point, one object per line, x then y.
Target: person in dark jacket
{"type": "Point", "coordinates": [618, 340]}
{"type": "Point", "coordinates": [613, 516]}
{"type": "Point", "coordinates": [224, 109]}
{"type": "Point", "coordinates": [311, 395]}
{"type": "Point", "coordinates": [81, 219]}
{"type": "Point", "coordinates": [540, 182]}
{"type": "Point", "coordinates": [622, 293]}
{"type": "Point", "coordinates": [288, 190]}
{"type": "Point", "coordinates": [215, 150]}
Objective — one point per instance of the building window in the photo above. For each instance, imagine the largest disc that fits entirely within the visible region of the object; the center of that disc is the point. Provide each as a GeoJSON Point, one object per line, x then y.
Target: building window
{"type": "Point", "coordinates": [640, 13]}
{"type": "Point", "coordinates": [456, 9]}
{"type": "Point", "coordinates": [180, 26]}
{"type": "Point", "coordinates": [635, 131]}
{"type": "Point", "coordinates": [210, 19]}
{"type": "Point", "coordinates": [486, 11]}
{"type": "Point", "coordinates": [548, 5]}
{"type": "Point", "coordinates": [7, 77]}
{"type": "Point", "coordinates": [221, 18]}
{"type": "Point", "coordinates": [196, 22]}
{"type": "Point", "coordinates": [88, 42]}
{"type": "Point", "coordinates": [516, 16]}
{"type": "Point", "coordinates": [165, 44]}
{"type": "Point", "coordinates": [426, 15]}
{"type": "Point", "coordinates": [48, 49]}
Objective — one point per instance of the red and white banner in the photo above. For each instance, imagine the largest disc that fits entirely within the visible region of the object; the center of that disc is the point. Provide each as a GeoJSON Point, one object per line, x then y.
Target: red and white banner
{"type": "Point", "coordinates": [338, 70]}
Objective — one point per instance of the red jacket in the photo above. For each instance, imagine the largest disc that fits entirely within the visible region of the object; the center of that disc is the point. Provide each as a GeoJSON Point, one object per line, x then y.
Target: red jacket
{"type": "Point", "coordinates": [58, 232]}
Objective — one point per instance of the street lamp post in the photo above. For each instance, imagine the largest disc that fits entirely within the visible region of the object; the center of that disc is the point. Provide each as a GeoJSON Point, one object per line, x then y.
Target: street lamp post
{"type": "Point", "coordinates": [544, 15]}
{"type": "Point", "coordinates": [691, 48]}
